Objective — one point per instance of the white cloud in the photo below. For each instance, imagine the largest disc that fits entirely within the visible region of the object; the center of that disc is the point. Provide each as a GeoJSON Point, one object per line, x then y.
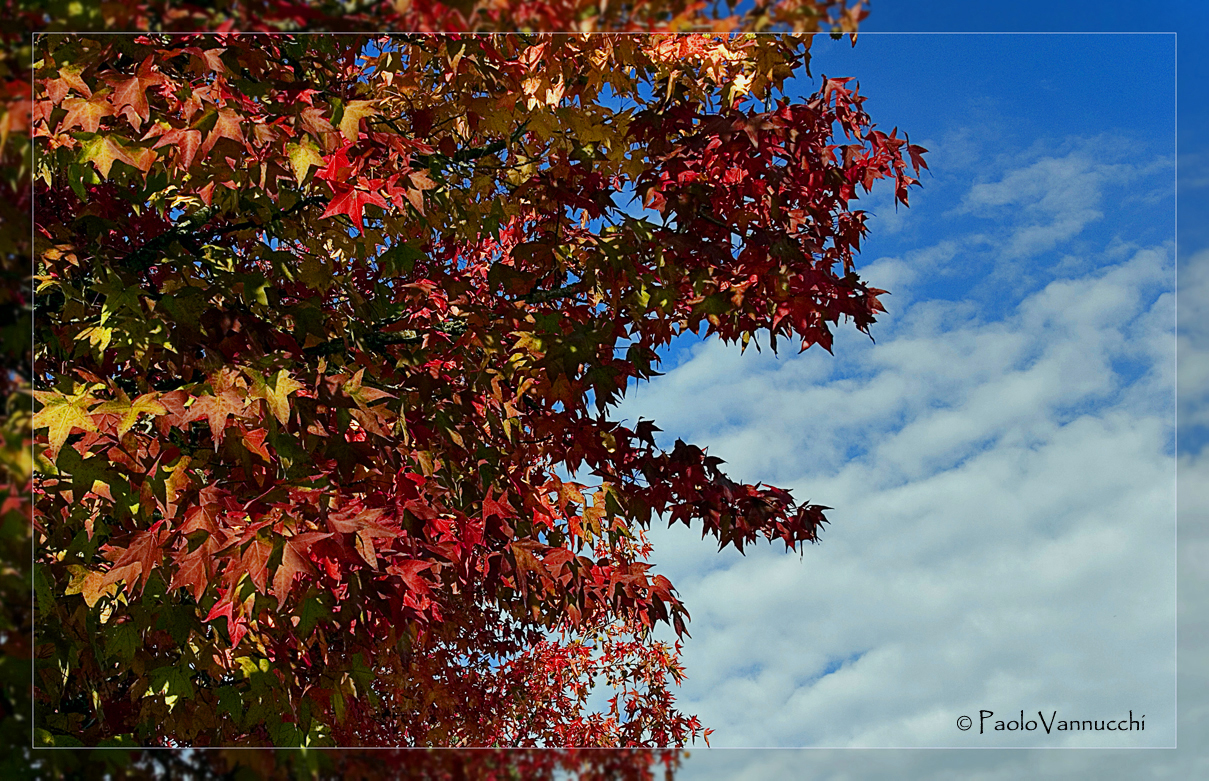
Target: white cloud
{"type": "Point", "coordinates": [1052, 199]}
{"type": "Point", "coordinates": [1194, 341]}
{"type": "Point", "coordinates": [1188, 761]}
{"type": "Point", "coordinates": [1003, 533]}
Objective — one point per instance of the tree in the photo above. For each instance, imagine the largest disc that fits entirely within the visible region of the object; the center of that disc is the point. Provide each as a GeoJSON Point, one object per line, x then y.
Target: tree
{"type": "Point", "coordinates": [324, 325]}
{"type": "Point", "coordinates": [591, 764]}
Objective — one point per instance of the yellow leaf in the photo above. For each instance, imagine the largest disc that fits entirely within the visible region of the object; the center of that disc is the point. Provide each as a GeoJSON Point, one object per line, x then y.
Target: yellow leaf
{"type": "Point", "coordinates": [90, 585]}
{"type": "Point", "coordinates": [102, 151]}
{"type": "Point", "coordinates": [61, 413]}
{"type": "Point", "coordinates": [350, 123]}
{"type": "Point", "coordinates": [98, 337]}
{"type": "Point", "coordinates": [303, 157]}
{"type": "Point", "coordinates": [130, 410]}
{"type": "Point", "coordinates": [176, 482]}
{"type": "Point", "coordinates": [276, 394]}
{"type": "Point", "coordinates": [283, 386]}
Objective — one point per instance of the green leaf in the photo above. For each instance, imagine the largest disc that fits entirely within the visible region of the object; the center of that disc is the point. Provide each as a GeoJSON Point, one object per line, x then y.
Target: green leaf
{"type": "Point", "coordinates": [311, 612]}
{"type": "Point", "coordinates": [103, 152]}
{"type": "Point", "coordinates": [122, 642]}
{"type": "Point", "coordinates": [178, 621]}
{"type": "Point", "coordinates": [172, 682]}
{"type": "Point", "coordinates": [91, 475]}
{"type": "Point", "coordinates": [399, 260]}
{"type": "Point", "coordinates": [44, 737]}
{"type": "Point", "coordinates": [118, 295]}
{"type": "Point", "coordinates": [285, 733]}
{"type": "Point", "coordinates": [42, 591]}
{"type": "Point", "coordinates": [230, 700]}
{"type": "Point", "coordinates": [255, 287]}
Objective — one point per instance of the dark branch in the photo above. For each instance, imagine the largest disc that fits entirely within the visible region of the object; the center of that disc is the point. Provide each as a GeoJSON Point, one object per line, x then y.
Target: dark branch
{"type": "Point", "coordinates": [542, 296]}
{"type": "Point", "coordinates": [191, 231]}
{"type": "Point", "coordinates": [376, 341]}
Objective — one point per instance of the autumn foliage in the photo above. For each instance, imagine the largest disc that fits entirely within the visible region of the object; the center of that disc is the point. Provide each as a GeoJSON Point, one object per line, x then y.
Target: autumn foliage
{"type": "Point", "coordinates": [328, 333]}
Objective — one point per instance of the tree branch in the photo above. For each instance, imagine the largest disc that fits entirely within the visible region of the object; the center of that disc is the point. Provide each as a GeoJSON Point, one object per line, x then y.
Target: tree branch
{"type": "Point", "coordinates": [191, 230]}
{"type": "Point", "coordinates": [376, 340]}
{"type": "Point", "coordinates": [542, 296]}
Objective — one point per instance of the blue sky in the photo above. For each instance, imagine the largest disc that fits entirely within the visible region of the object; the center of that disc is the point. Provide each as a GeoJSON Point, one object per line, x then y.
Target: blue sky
{"type": "Point", "coordinates": [1001, 460]}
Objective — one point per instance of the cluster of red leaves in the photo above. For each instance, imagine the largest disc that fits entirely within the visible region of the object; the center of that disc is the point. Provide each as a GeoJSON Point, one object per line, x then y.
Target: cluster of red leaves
{"type": "Point", "coordinates": [483, 764]}
{"type": "Point", "coordinates": [452, 16]}
{"type": "Point", "coordinates": [302, 467]}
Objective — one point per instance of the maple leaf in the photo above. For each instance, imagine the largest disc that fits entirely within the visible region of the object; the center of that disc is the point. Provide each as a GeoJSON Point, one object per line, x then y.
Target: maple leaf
{"type": "Point", "coordinates": [86, 114]}
{"type": "Point", "coordinates": [409, 571]}
{"type": "Point", "coordinates": [69, 77]}
{"type": "Point", "coordinates": [337, 168]}
{"type": "Point", "coordinates": [294, 562]}
{"type": "Point", "coordinates": [132, 91]}
{"type": "Point", "coordinates": [276, 395]}
{"type": "Point", "coordinates": [103, 152]}
{"type": "Point", "coordinates": [62, 414]}
{"type": "Point", "coordinates": [186, 141]}
{"type": "Point", "coordinates": [145, 404]}
{"type": "Point", "coordinates": [355, 519]}
{"type": "Point", "coordinates": [143, 553]}
{"type": "Point", "coordinates": [226, 126]}
{"type": "Point", "coordinates": [351, 201]}
{"type": "Point", "coordinates": [193, 572]}
{"type": "Point", "coordinates": [312, 121]}
{"type": "Point", "coordinates": [917, 156]}
{"type": "Point", "coordinates": [354, 112]}
{"type": "Point", "coordinates": [364, 542]}
{"type": "Point", "coordinates": [207, 60]}
{"type": "Point", "coordinates": [303, 157]}
{"type": "Point", "coordinates": [497, 507]}
{"type": "Point", "coordinates": [176, 481]}
{"type": "Point", "coordinates": [254, 440]}
{"type": "Point", "coordinates": [87, 583]}
{"type": "Point", "coordinates": [364, 395]}
{"type": "Point", "coordinates": [225, 608]}
{"type": "Point", "coordinates": [255, 562]}
{"type": "Point", "coordinates": [216, 410]}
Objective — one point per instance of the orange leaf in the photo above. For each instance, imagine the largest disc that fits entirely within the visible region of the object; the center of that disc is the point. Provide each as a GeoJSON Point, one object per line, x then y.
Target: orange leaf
{"type": "Point", "coordinates": [86, 114]}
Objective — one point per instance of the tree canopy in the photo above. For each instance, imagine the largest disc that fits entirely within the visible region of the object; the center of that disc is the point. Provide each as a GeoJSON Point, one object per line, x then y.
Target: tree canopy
{"type": "Point", "coordinates": [328, 334]}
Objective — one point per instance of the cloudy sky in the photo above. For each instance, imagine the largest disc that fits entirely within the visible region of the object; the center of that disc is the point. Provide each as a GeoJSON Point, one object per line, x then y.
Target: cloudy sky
{"type": "Point", "coordinates": [1002, 461]}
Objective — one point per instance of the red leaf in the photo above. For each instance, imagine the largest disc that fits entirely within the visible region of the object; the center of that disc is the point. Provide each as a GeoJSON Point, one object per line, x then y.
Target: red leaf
{"type": "Point", "coordinates": [352, 522]}
{"type": "Point", "coordinates": [227, 126]}
{"type": "Point", "coordinates": [255, 561]}
{"type": "Point", "coordinates": [185, 140]}
{"type": "Point", "coordinates": [85, 114]}
{"type": "Point", "coordinates": [222, 607]}
{"type": "Point", "coordinates": [192, 571]}
{"type": "Point", "coordinates": [254, 440]}
{"type": "Point", "coordinates": [351, 202]}
{"type": "Point", "coordinates": [145, 551]}
{"type": "Point", "coordinates": [132, 91]}
{"type": "Point", "coordinates": [216, 410]}
{"type": "Point", "coordinates": [497, 507]}
{"type": "Point", "coordinates": [294, 562]}
{"type": "Point", "coordinates": [917, 156]}
{"type": "Point", "coordinates": [410, 571]}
